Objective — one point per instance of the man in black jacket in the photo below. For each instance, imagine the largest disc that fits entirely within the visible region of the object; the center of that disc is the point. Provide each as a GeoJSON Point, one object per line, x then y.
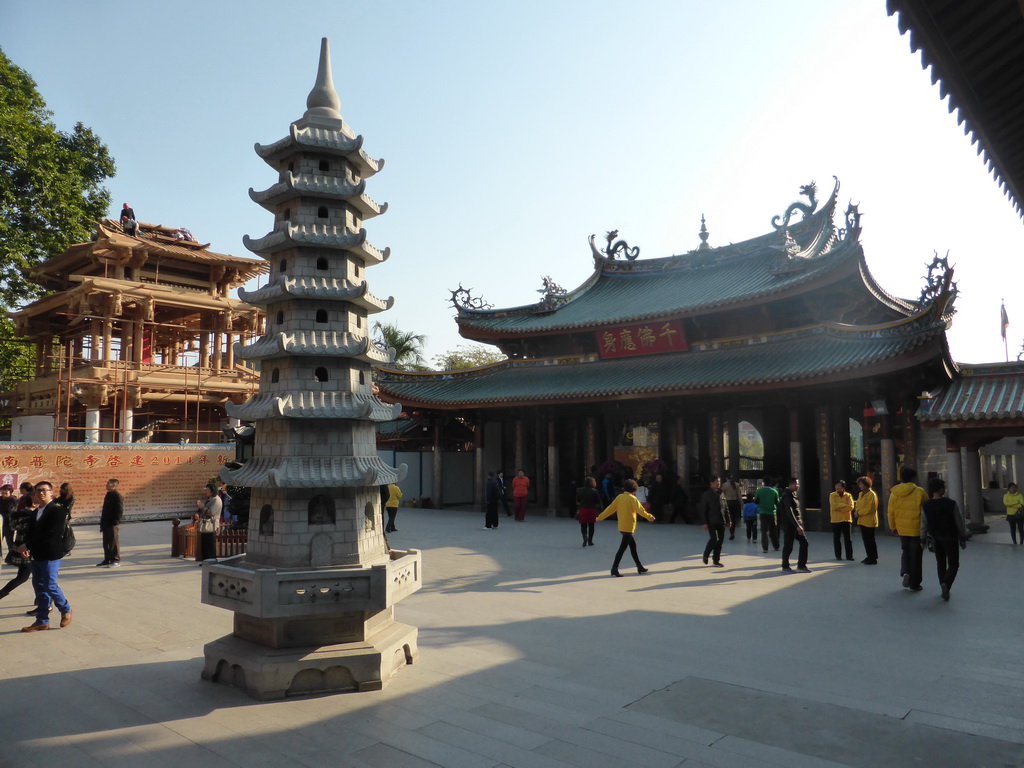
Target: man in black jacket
{"type": "Point", "coordinates": [791, 521]}
{"type": "Point", "coordinates": [714, 514]}
{"type": "Point", "coordinates": [45, 542]}
{"type": "Point", "coordinates": [110, 519]}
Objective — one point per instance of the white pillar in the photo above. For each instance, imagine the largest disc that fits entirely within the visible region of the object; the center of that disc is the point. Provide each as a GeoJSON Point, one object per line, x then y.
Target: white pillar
{"type": "Point", "coordinates": [972, 487]}
{"type": "Point", "coordinates": [127, 424]}
{"type": "Point", "coordinates": [92, 425]}
{"type": "Point", "coordinates": [955, 478]}
{"type": "Point", "coordinates": [1018, 468]}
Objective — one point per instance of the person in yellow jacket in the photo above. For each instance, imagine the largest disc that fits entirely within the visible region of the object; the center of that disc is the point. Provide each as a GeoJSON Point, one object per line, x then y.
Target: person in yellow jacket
{"type": "Point", "coordinates": [626, 507]}
{"type": "Point", "coordinates": [905, 502]}
{"type": "Point", "coordinates": [1014, 503]}
{"type": "Point", "coordinates": [394, 494]}
{"type": "Point", "coordinates": [841, 511]}
{"type": "Point", "coordinates": [866, 509]}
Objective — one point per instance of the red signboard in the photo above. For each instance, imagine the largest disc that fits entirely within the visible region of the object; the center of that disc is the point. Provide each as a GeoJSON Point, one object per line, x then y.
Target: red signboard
{"type": "Point", "coordinates": [643, 339]}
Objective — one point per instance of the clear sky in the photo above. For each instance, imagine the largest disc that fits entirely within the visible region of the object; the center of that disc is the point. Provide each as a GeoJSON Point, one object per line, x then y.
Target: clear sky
{"type": "Point", "coordinates": [513, 131]}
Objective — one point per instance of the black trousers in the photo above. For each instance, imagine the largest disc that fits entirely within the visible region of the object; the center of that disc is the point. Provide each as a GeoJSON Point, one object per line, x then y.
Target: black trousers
{"type": "Point", "coordinates": [751, 528]}
{"type": "Point", "coordinates": [24, 572]}
{"type": "Point", "coordinates": [789, 536]}
{"type": "Point", "coordinates": [716, 533]}
{"type": "Point", "coordinates": [910, 559]}
{"type": "Point", "coordinates": [207, 546]}
{"type": "Point", "coordinates": [842, 530]}
{"type": "Point", "coordinates": [1016, 527]}
{"type": "Point", "coordinates": [947, 560]}
{"type": "Point", "coordinates": [392, 513]}
{"type": "Point", "coordinates": [587, 529]}
{"type": "Point", "coordinates": [769, 530]}
{"type": "Point", "coordinates": [491, 517]}
{"type": "Point", "coordinates": [627, 541]}
{"type": "Point", "coordinates": [111, 546]}
{"type": "Point", "coordinates": [867, 535]}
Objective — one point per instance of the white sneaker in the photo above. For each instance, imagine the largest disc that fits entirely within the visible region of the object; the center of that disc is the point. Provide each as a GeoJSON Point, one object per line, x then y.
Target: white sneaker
{"type": "Point", "coordinates": [114, 564]}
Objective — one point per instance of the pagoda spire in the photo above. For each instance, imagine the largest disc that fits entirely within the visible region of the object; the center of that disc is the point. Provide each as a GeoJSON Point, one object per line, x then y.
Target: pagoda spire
{"type": "Point", "coordinates": [323, 100]}
{"type": "Point", "coordinates": [704, 234]}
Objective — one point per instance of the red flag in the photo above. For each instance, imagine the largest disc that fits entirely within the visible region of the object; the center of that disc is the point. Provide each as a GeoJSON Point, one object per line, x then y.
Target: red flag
{"type": "Point", "coordinates": [1004, 321]}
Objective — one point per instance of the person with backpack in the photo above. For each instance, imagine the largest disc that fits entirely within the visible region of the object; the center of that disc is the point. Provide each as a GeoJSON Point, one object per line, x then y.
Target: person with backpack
{"type": "Point", "coordinates": [46, 544]}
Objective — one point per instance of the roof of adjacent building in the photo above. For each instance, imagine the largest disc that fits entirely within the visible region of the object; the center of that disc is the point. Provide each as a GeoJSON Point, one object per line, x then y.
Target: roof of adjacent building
{"type": "Point", "coordinates": [807, 356]}
{"type": "Point", "coordinates": [796, 258]}
{"type": "Point", "coordinates": [974, 50]}
{"type": "Point", "coordinates": [990, 392]}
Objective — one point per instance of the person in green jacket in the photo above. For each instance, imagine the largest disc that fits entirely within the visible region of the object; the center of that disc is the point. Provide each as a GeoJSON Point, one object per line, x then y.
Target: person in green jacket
{"type": "Point", "coordinates": [905, 502]}
{"type": "Point", "coordinates": [1014, 503]}
{"type": "Point", "coordinates": [767, 498]}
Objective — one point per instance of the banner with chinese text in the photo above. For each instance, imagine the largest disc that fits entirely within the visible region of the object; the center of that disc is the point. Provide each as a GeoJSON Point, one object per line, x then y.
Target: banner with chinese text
{"type": "Point", "coordinates": [155, 480]}
{"type": "Point", "coordinates": [642, 339]}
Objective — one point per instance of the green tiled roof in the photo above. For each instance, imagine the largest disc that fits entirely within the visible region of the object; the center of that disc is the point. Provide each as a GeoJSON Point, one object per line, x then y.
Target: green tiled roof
{"type": "Point", "coordinates": [986, 393]}
{"type": "Point", "coordinates": [796, 357]}
{"type": "Point", "coordinates": [677, 286]}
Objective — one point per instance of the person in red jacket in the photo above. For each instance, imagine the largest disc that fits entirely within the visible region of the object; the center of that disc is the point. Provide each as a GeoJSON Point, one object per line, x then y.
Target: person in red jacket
{"type": "Point", "coordinates": [520, 494]}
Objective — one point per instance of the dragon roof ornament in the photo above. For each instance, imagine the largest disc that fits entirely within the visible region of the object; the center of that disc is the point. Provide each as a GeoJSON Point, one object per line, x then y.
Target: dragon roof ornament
{"type": "Point", "coordinates": [554, 294]}
{"type": "Point", "coordinates": [613, 250]}
{"type": "Point", "coordinates": [939, 284]}
{"type": "Point", "coordinates": [810, 191]}
{"type": "Point", "coordinates": [461, 298]}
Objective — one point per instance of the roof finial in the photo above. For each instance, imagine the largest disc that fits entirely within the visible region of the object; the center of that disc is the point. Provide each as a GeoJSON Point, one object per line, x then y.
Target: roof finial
{"type": "Point", "coordinates": [703, 236]}
{"type": "Point", "coordinates": [323, 99]}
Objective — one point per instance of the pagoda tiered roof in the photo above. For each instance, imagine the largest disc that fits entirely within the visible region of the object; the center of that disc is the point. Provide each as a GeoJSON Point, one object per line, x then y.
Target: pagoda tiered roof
{"type": "Point", "coordinates": [803, 357]}
{"type": "Point", "coordinates": [335, 141]}
{"type": "Point", "coordinates": [732, 277]}
{"type": "Point", "coordinates": [321, 235]}
{"type": "Point", "coordinates": [314, 405]}
{"type": "Point", "coordinates": [318, 288]}
{"type": "Point", "coordinates": [315, 343]}
{"type": "Point", "coordinates": [322, 187]}
{"type": "Point", "coordinates": [326, 472]}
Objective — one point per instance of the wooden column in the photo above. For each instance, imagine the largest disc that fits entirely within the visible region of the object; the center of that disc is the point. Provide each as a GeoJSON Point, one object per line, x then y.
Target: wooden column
{"type": "Point", "coordinates": [94, 332]}
{"type": "Point", "coordinates": [715, 448]}
{"type": "Point", "coordinates": [105, 355]}
{"type": "Point", "coordinates": [682, 454]}
{"type": "Point", "coordinates": [841, 430]}
{"type": "Point", "coordinates": [796, 452]}
{"type": "Point", "coordinates": [590, 445]}
{"type": "Point", "coordinates": [908, 426]}
{"type": "Point", "coordinates": [438, 466]}
{"type": "Point", "coordinates": [554, 498]}
{"type": "Point", "coordinates": [540, 469]}
{"type": "Point", "coordinates": [520, 447]}
{"type": "Point", "coordinates": [825, 448]}
{"type": "Point", "coordinates": [734, 444]}
{"type": "Point", "coordinates": [479, 484]}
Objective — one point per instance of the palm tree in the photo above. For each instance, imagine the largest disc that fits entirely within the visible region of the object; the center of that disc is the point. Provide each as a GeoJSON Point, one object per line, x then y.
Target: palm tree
{"type": "Point", "coordinates": [408, 346]}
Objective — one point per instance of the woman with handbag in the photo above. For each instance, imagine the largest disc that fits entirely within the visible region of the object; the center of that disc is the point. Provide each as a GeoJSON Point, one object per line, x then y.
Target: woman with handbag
{"type": "Point", "coordinates": [210, 507]}
{"type": "Point", "coordinates": [15, 529]}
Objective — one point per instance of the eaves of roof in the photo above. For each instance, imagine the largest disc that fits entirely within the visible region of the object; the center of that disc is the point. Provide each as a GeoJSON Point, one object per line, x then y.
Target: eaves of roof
{"type": "Point", "coordinates": [985, 396]}
{"type": "Point", "coordinates": [798, 358]}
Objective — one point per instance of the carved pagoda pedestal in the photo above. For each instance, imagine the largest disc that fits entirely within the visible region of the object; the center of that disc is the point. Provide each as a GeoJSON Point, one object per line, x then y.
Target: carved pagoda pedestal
{"type": "Point", "coordinates": [302, 632]}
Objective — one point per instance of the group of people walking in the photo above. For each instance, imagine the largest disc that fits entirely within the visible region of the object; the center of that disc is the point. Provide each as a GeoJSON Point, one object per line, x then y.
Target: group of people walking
{"type": "Point", "coordinates": [921, 518]}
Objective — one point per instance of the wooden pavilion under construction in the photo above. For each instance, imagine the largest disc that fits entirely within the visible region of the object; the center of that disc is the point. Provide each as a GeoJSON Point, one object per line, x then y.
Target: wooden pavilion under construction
{"type": "Point", "coordinates": [136, 342]}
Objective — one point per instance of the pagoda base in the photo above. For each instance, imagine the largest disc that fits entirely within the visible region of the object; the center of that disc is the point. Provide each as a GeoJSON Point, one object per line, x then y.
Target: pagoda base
{"type": "Point", "coordinates": [269, 674]}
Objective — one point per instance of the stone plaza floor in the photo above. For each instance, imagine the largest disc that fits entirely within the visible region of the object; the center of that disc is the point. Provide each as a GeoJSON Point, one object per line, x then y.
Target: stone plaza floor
{"type": "Point", "coordinates": [532, 655]}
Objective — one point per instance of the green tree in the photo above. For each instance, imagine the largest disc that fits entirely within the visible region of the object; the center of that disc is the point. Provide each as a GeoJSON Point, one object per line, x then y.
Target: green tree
{"type": "Point", "coordinates": [467, 356]}
{"type": "Point", "coordinates": [408, 346]}
{"type": "Point", "coordinates": [50, 183]}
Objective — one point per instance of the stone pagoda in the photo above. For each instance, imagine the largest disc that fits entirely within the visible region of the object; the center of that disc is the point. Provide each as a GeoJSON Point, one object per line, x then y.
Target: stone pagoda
{"type": "Point", "coordinates": [314, 595]}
